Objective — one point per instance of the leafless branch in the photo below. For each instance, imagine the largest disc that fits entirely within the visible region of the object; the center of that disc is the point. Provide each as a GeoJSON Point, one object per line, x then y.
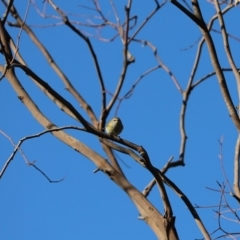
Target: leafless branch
{"type": "Point", "coordinates": [197, 18]}
{"type": "Point", "coordinates": [5, 15]}
{"type": "Point", "coordinates": [55, 67]}
{"type": "Point", "coordinates": [226, 45]}
{"type": "Point", "coordinates": [236, 184]}
{"type": "Point", "coordinates": [158, 6]}
{"type": "Point", "coordinates": [93, 54]}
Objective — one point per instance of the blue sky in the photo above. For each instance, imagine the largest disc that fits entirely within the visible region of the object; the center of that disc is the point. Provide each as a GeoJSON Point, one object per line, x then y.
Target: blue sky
{"type": "Point", "coordinates": [91, 206]}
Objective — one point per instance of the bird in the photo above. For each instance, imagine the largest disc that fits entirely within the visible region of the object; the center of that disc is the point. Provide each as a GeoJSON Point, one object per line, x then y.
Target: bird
{"type": "Point", "coordinates": [114, 126]}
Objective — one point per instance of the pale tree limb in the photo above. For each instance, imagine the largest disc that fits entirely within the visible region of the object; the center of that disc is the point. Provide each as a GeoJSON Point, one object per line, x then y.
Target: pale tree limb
{"type": "Point", "coordinates": [123, 150]}
{"type": "Point", "coordinates": [92, 52]}
{"type": "Point", "coordinates": [105, 110]}
{"type": "Point", "coordinates": [112, 158]}
{"type": "Point", "coordinates": [146, 209]}
{"type": "Point", "coordinates": [185, 93]}
{"type": "Point", "coordinates": [54, 66]}
{"type": "Point", "coordinates": [61, 102]}
{"type": "Point", "coordinates": [73, 91]}
{"type": "Point", "coordinates": [150, 186]}
{"type": "Point", "coordinates": [145, 162]}
{"type": "Point", "coordinates": [150, 214]}
{"type": "Point", "coordinates": [189, 88]}
{"type": "Point", "coordinates": [236, 182]}
{"type": "Point", "coordinates": [45, 87]}
{"type": "Point", "coordinates": [199, 51]}
{"type": "Point", "coordinates": [168, 218]}
{"type": "Point", "coordinates": [227, 46]}
{"type": "Point", "coordinates": [237, 76]}
{"type": "Point", "coordinates": [216, 65]}
{"type": "Point", "coordinates": [125, 64]}
{"type": "Point", "coordinates": [158, 227]}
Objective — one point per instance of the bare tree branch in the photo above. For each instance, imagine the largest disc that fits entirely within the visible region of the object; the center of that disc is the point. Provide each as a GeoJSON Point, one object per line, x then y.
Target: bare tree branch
{"type": "Point", "coordinates": [93, 54]}
{"type": "Point", "coordinates": [214, 58]}
{"type": "Point", "coordinates": [55, 67]}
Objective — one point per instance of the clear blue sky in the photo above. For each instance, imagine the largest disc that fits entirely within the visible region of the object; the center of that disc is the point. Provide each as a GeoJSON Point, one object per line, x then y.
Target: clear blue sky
{"type": "Point", "coordinates": [91, 206]}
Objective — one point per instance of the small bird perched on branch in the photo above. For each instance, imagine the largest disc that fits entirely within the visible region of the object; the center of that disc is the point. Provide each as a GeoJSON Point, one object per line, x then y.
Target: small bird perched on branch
{"type": "Point", "coordinates": [114, 126]}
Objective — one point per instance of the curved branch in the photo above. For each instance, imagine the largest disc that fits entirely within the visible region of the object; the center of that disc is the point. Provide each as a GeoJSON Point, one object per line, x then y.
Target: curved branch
{"type": "Point", "coordinates": [188, 204]}
{"type": "Point", "coordinates": [214, 59]}
{"type": "Point", "coordinates": [123, 150]}
{"type": "Point", "coordinates": [61, 102]}
{"type": "Point", "coordinates": [126, 61]}
{"type": "Point", "coordinates": [208, 76]}
{"type": "Point", "coordinates": [54, 66]}
{"type": "Point", "coordinates": [216, 65]}
{"type": "Point", "coordinates": [154, 219]}
{"type": "Point", "coordinates": [161, 64]}
{"type": "Point", "coordinates": [88, 42]}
